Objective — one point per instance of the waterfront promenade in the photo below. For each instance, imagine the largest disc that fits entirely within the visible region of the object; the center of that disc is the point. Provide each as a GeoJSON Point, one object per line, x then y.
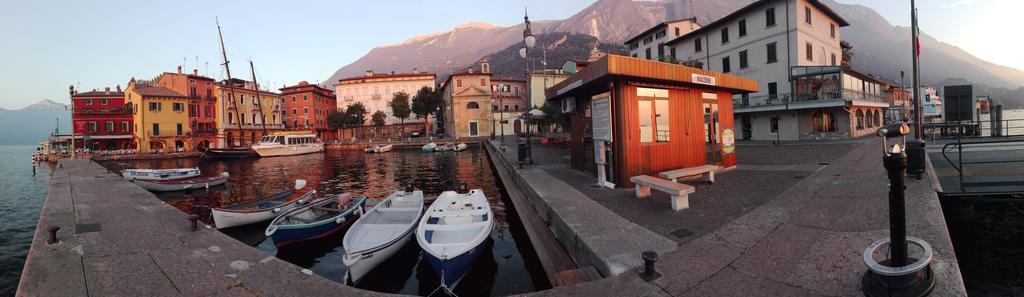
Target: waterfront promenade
{"type": "Point", "coordinates": [790, 220]}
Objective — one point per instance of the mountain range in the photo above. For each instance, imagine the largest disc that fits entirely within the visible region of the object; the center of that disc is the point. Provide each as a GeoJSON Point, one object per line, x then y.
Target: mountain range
{"type": "Point", "coordinates": [34, 123]}
{"type": "Point", "coordinates": [879, 47]}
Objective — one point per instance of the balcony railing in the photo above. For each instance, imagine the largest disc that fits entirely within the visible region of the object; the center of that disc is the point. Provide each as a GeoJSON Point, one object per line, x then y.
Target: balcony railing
{"type": "Point", "coordinates": [820, 95]}
{"type": "Point", "coordinates": [114, 110]}
{"type": "Point", "coordinates": [375, 96]}
{"type": "Point", "coordinates": [347, 98]}
{"type": "Point", "coordinates": [254, 126]}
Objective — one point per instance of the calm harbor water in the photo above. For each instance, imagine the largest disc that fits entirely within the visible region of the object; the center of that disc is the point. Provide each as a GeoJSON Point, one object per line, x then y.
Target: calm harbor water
{"type": "Point", "coordinates": [20, 202]}
{"type": "Point", "coordinates": [507, 266]}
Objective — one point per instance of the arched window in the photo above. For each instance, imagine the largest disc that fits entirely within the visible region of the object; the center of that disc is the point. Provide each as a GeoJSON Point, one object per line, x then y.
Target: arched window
{"type": "Point", "coordinates": [878, 118]}
{"type": "Point", "coordinates": [860, 119]}
{"type": "Point", "coordinates": [823, 121]}
{"type": "Point", "coordinates": [472, 105]}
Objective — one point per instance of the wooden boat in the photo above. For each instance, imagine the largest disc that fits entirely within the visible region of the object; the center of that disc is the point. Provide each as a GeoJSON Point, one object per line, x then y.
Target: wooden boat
{"type": "Point", "coordinates": [429, 147]}
{"type": "Point", "coordinates": [160, 174]}
{"type": "Point", "coordinates": [460, 147]}
{"type": "Point", "coordinates": [289, 144]}
{"type": "Point", "coordinates": [453, 231]}
{"type": "Point", "coordinates": [384, 148]}
{"type": "Point", "coordinates": [318, 219]}
{"type": "Point", "coordinates": [262, 209]}
{"type": "Point", "coordinates": [381, 232]}
{"type": "Point", "coordinates": [200, 182]}
{"type": "Point", "coordinates": [378, 148]}
{"type": "Point", "coordinates": [229, 153]}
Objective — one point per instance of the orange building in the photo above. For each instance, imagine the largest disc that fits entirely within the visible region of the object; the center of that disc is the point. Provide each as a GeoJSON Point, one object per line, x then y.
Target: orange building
{"type": "Point", "coordinates": [646, 117]}
{"type": "Point", "coordinates": [306, 106]}
{"type": "Point", "coordinates": [202, 105]}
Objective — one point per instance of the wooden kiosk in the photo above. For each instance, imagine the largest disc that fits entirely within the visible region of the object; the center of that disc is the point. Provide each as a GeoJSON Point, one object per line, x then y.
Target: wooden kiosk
{"type": "Point", "coordinates": [631, 116]}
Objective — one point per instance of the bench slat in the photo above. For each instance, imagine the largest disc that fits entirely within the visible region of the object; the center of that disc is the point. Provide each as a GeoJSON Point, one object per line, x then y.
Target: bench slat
{"type": "Point", "coordinates": [663, 185]}
{"type": "Point", "coordinates": [689, 171]}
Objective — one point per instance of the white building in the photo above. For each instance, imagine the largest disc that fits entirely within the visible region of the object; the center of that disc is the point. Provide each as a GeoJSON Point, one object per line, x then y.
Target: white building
{"type": "Point", "coordinates": [651, 43]}
{"type": "Point", "coordinates": [375, 91]}
{"type": "Point", "coordinates": [792, 48]}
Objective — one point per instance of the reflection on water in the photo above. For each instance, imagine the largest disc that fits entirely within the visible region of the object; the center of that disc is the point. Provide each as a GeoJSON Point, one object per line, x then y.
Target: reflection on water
{"type": "Point", "coordinates": [508, 258]}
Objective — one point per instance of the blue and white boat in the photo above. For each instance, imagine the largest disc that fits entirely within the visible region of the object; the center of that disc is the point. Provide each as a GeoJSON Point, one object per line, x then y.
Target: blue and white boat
{"type": "Point", "coordinates": [262, 209]}
{"type": "Point", "coordinates": [429, 147]}
{"type": "Point", "coordinates": [381, 232]}
{"type": "Point", "coordinates": [317, 219]}
{"type": "Point", "coordinates": [453, 231]}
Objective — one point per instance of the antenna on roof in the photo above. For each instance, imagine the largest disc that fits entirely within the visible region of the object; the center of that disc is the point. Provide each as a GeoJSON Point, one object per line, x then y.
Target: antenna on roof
{"type": "Point", "coordinates": [689, 9]}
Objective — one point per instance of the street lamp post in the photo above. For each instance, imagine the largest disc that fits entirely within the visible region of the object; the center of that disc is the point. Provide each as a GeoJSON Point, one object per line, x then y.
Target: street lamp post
{"type": "Point", "coordinates": [71, 95]}
{"type": "Point", "coordinates": [501, 114]}
{"type": "Point", "coordinates": [528, 42]}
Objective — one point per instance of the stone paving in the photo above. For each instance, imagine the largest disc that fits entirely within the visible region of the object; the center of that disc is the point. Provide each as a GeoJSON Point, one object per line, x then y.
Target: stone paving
{"type": "Point", "coordinates": [790, 220]}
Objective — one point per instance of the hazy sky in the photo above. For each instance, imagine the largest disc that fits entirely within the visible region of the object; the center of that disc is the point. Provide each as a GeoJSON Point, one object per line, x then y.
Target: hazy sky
{"type": "Point", "coordinates": [48, 45]}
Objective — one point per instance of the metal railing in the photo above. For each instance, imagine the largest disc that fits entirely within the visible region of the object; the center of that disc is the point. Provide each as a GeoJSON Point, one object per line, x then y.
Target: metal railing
{"type": "Point", "coordinates": [975, 129]}
{"type": "Point", "coordinates": [821, 95]}
{"type": "Point", "coordinates": [113, 110]}
{"type": "Point", "coordinates": [959, 164]}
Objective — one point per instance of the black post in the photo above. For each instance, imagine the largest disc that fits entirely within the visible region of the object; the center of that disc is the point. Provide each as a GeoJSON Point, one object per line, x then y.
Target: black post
{"type": "Point", "coordinates": [53, 234]}
{"type": "Point", "coordinates": [193, 222]}
{"type": "Point", "coordinates": [650, 273]}
{"type": "Point", "coordinates": [896, 165]}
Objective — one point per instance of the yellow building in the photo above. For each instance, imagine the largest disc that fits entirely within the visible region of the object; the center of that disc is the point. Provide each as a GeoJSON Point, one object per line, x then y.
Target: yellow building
{"type": "Point", "coordinates": [160, 116]}
{"type": "Point", "coordinates": [241, 127]}
{"type": "Point", "coordinates": [467, 103]}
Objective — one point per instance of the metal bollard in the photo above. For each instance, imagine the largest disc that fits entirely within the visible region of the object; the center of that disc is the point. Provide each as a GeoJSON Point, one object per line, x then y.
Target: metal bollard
{"type": "Point", "coordinates": [462, 188]}
{"type": "Point", "coordinates": [650, 272]}
{"type": "Point", "coordinates": [53, 234]}
{"type": "Point", "coordinates": [193, 219]}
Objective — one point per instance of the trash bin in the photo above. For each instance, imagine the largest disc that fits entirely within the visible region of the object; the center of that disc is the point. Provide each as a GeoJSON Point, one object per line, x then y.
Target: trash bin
{"type": "Point", "coordinates": [522, 149]}
{"type": "Point", "coordinates": [915, 156]}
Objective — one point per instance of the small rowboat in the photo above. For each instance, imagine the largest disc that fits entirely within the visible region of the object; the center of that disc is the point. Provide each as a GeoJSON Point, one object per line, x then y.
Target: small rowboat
{"type": "Point", "coordinates": [453, 231]}
{"type": "Point", "coordinates": [159, 174]}
{"type": "Point", "coordinates": [229, 153]}
{"type": "Point", "coordinates": [460, 147]}
{"type": "Point", "coordinates": [429, 147]}
{"type": "Point", "coordinates": [191, 183]}
{"type": "Point", "coordinates": [381, 232]}
{"type": "Point", "coordinates": [384, 148]}
{"type": "Point", "coordinates": [318, 219]}
{"type": "Point", "coordinates": [262, 209]}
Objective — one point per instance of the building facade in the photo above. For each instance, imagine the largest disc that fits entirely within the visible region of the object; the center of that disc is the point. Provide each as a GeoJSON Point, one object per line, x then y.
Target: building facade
{"type": "Point", "coordinates": [466, 103]}
{"type": "Point", "coordinates": [508, 104]}
{"type": "Point", "coordinates": [306, 106]}
{"type": "Point", "coordinates": [376, 90]}
{"type": "Point", "coordinates": [539, 82]}
{"type": "Point", "coordinates": [160, 116]}
{"type": "Point", "coordinates": [650, 44]}
{"type": "Point", "coordinates": [242, 119]}
{"type": "Point", "coordinates": [792, 48]}
{"type": "Point", "coordinates": [101, 120]}
{"type": "Point", "coordinates": [202, 104]}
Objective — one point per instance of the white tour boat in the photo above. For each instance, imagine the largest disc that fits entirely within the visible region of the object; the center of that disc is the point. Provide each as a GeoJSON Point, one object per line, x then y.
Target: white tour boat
{"type": "Point", "coordinates": [289, 143]}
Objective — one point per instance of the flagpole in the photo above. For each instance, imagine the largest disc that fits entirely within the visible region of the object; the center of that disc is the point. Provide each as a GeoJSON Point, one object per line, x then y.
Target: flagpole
{"type": "Point", "coordinates": [915, 54]}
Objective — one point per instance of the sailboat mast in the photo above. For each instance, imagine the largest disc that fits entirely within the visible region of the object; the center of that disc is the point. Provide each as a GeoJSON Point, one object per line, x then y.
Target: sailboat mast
{"type": "Point", "coordinates": [231, 87]}
{"type": "Point", "coordinates": [263, 118]}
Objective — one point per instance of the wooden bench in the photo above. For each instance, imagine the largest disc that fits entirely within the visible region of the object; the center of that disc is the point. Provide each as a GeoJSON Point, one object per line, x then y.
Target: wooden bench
{"type": "Point", "coordinates": [673, 175]}
{"type": "Point", "coordinates": [679, 193]}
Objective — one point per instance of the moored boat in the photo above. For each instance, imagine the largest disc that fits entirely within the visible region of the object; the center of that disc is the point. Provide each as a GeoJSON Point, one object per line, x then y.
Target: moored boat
{"type": "Point", "coordinates": [429, 147]}
{"type": "Point", "coordinates": [288, 144]}
{"type": "Point", "coordinates": [371, 149]}
{"type": "Point", "coordinates": [315, 220]}
{"type": "Point", "coordinates": [460, 147]}
{"type": "Point", "coordinates": [229, 153]}
{"type": "Point", "coordinates": [199, 182]}
{"type": "Point", "coordinates": [384, 148]}
{"type": "Point", "coordinates": [263, 209]}
{"type": "Point", "coordinates": [160, 174]}
{"type": "Point", "coordinates": [381, 232]}
{"type": "Point", "coordinates": [453, 231]}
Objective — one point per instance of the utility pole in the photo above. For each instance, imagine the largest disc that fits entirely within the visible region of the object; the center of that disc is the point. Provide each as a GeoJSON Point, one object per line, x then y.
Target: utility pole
{"type": "Point", "coordinates": [916, 52]}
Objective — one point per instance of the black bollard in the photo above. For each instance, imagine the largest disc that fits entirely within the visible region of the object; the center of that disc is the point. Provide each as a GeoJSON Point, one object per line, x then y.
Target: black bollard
{"type": "Point", "coordinates": [462, 188]}
{"type": "Point", "coordinates": [194, 220]}
{"type": "Point", "coordinates": [408, 188]}
{"type": "Point", "coordinates": [53, 234]}
{"type": "Point", "coordinates": [650, 272]}
{"type": "Point", "coordinates": [896, 165]}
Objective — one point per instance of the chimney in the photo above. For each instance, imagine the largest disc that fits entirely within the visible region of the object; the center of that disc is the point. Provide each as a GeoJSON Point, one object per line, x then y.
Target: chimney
{"type": "Point", "coordinates": [392, 72]}
{"type": "Point", "coordinates": [108, 90]}
{"type": "Point", "coordinates": [118, 88]}
{"type": "Point", "coordinates": [369, 72]}
{"type": "Point", "coordinates": [179, 69]}
{"type": "Point", "coordinates": [195, 72]}
{"type": "Point", "coordinates": [415, 70]}
{"type": "Point", "coordinates": [469, 69]}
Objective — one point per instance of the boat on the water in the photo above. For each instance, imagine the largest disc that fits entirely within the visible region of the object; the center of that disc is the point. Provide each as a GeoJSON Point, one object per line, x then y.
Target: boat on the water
{"type": "Point", "coordinates": [460, 147]}
{"type": "Point", "coordinates": [262, 209]}
{"type": "Point", "coordinates": [288, 144]}
{"type": "Point", "coordinates": [199, 182]}
{"type": "Point", "coordinates": [229, 153]}
{"type": "Point", "coordinates": [453, 231]}
{"type": "Point", "coordinates": [381, 232]}
{"type": "Point", "coordinates": [444, 147]}
{"type": "Point", "coordinates": [318, 219]}
{"type": "Point", "coordinates": [429, 147]}
{"type": "Point", "coordinates": [378, 148]}
{"type": "Point", "coordinates": [160, 174]}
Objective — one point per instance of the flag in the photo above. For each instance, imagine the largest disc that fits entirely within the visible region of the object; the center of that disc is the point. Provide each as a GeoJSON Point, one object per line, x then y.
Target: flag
{"type": "Point", "coordinates": [917, 34]}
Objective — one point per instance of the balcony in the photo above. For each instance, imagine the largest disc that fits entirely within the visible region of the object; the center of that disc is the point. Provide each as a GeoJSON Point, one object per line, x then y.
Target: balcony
{"type": "Point", "coordinates": [817, 99]}
{"type": "Point", "coordinates": [375, 96]}
{"type": "Point", "coordinates": [254, 126]}
{"type": "Point", "coordinates": [101, 111]}
{"type": "Point", "coordinates": [347, 98]}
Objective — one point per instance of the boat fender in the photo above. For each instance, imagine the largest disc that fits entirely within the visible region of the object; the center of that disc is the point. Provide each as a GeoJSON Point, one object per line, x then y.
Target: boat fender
{"type": "Point", "coordinates": [276, 210]}
{"type": "Point", "coordinates": [339, 220]}
{"type": "Point", "coordinates": [225, 174]}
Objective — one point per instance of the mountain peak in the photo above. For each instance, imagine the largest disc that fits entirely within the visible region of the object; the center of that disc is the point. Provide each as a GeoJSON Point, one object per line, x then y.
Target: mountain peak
{"type": "Point", "coordinates": [477, 25]}
{"type": "Point", "coordinates": [47, 104]}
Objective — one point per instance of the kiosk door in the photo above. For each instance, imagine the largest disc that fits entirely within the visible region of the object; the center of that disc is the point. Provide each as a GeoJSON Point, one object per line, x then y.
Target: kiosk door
{"type": "Point", "coordinates": [711, 128]}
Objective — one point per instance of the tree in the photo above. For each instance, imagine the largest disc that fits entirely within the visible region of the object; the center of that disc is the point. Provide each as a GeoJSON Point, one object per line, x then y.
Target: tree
{"type": "Point", "coordinates": [355, 115]}
{"type": "Point", "coordinates": [379, 118]}
{"type": "Point", "coordinates": [336, 118]}
{"type": "Point", "coordinates": [553, 116]}
{"type": "Point", "coordinates": [424, 103]}
{"type": "Point", "coordinates": [400, 106]}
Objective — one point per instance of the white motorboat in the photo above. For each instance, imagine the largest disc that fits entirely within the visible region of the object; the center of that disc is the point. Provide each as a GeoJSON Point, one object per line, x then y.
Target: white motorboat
{"type": "Point", "coordinates": [191, 183]}
{"type": "Point", "coordinates": [160, 174]}
{"type": "Point", "coordinates": [453, 231]}
{"type": "Point", "coordinates": [384, 148]}
{"type": "Point", "coordinates": [460, 147]}
{"type": "Point", "coordinates": [429, 147]}
{"type": "Point", "coordinates": [262, 209]}
{"type": "Point", "coordinates": [288, 144]}
{"type": "Point", "coordinates": [381, 232]}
